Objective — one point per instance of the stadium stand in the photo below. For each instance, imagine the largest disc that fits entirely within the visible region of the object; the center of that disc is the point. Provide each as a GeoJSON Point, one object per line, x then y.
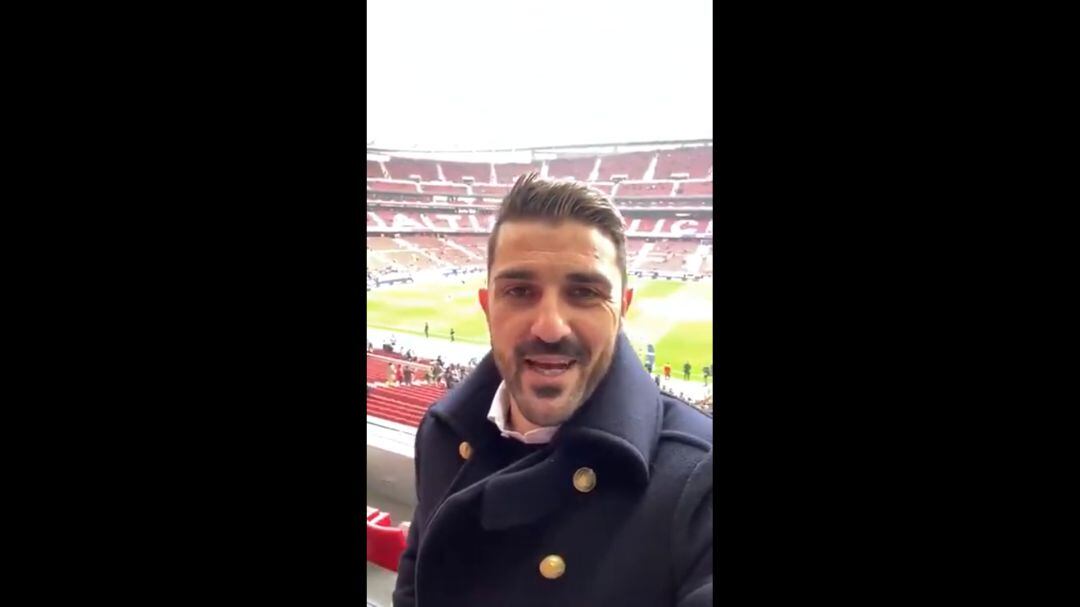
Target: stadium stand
{"type": "Point", "coordinates": [509, 172]}
{"type": "Point", "coordinates": [477, 244]}
{"type": "Point", "coordinates": [645, 188]}
{"type": "Point", "coordinates": [452, 189]}
{"type": "Point", "coordinates": [445, 252]}
{"type": "Point", "coordinates": [633, 165]}
{"type": "Point", "coordinates": [457, 171]}
{"type": "Point", "coordinates": [574, 168]}
{"type": "Point", "coordinates": [695, 188]}
{"type": "Point", "coordinates": [404, 168]}
{"type": "Point", "coordinates": [401, 219]}
{"type": "Point", "coordinates": [381, 185]}
{"type": "Point", "coordinates": [402, 404]}
{"type": "Point", "coordinates": [678, 179]}
{"type": "Point", "coordinates": [491, 190]}
{"type": "Point", "coordinates": [694, 162]}
{"type": "Point", "coordinates": [378, 243]}
{"type": "Point", "coordinates": [644, 224]}
{"type": "Point", "coordinates": [669, 255]}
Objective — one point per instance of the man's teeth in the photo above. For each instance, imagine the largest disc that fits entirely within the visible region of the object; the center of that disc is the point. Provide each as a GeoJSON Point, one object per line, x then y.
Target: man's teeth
{"type": "Point", "coordinates": [550, 372]}
{"type": "Point", "coordinates": [550, 369]}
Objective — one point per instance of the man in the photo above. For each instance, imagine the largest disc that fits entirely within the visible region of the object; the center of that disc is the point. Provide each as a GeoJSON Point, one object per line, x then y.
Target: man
{"type": "Point", "coordinates": [451, 334]}
{"type": "Point", "coordinates": [686, 371]}
{"type": "Point", "coordinates": [706, 370]}
{"type": "Point", "coordinates": [408, 375]}
{"type": "Point", "coordinates": [667, 371]}
{"type": "Point", "coordinates": [557, 473]}
{"type": "Point", "coordinates": [425, 330]}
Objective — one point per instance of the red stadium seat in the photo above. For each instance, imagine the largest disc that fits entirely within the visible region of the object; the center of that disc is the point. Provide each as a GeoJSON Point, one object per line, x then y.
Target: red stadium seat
{"type": "Point", "coordinates": [384, 542]}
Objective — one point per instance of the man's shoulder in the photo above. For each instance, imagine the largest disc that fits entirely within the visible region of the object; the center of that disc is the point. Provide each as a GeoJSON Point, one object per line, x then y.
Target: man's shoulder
{"type": "Point", "coordinates": [685, 424]}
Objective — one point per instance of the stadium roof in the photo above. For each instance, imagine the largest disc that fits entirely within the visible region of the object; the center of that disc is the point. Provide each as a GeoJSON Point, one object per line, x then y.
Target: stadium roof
{"type": "Point", "coordinates": [496, 75]}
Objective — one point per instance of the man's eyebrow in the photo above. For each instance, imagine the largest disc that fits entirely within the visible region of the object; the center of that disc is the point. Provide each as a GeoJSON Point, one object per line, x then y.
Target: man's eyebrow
{"type": "Point", "coordinates": [591, 278]}
{"type": "Point", "coordinates": [513, 274]}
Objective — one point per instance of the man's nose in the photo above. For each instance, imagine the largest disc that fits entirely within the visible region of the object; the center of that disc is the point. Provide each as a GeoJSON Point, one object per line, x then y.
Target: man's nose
{"type": "Point", "coordinates": [550, 325]}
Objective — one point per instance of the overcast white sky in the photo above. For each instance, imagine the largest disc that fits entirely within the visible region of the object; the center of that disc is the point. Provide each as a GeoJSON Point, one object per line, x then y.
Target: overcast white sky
{"type": "Point", "coordinates": [470, 74]}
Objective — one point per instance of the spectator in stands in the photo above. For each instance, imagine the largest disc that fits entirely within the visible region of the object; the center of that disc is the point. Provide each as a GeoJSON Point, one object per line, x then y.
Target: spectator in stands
{"type": "Point", "coordinates": [561, 401]}
{"type": "Point", "coordinates": [391, 373]}
{"type": "Point", "coordinates": [400, 376]}
{"type": "Point", "coordinates": [686, 371]}
{"type": "Point", "coordinates": [408, 375]}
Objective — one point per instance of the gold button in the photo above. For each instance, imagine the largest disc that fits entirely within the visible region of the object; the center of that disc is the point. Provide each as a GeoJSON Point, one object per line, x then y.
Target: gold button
{"type": "Point", "coordinates": [552, 567]}
{"type": "Point", "coordinates": [465, 449]}
{"type": "Point", "coordinates": [584, 480]}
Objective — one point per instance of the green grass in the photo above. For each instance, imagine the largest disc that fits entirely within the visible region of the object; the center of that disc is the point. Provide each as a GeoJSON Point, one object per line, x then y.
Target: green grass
{"type": "Point", "coordinates": [674, 316]}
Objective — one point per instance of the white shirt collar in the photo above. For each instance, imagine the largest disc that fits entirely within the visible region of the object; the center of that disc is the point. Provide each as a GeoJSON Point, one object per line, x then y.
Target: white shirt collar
{"type": "Point", "coordinates": [500, 411]}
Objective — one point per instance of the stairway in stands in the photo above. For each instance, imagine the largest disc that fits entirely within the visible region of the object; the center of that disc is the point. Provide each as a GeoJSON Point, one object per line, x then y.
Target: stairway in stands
{"type": "Point", "coordinates": [405, 244]}
{"type": "Point", "coordinates": [465, 250]}
{"type": "Point", "coordinates": [642, 255]}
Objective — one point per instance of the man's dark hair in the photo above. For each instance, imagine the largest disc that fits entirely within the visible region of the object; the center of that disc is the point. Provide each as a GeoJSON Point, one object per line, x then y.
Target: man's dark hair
{"type": "Point", "coordinates": [557, 201]}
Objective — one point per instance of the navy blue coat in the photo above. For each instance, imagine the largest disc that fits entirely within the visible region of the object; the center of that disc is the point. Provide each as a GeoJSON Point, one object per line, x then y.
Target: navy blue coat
{"type": "Point", "coordinates": [641, 537]}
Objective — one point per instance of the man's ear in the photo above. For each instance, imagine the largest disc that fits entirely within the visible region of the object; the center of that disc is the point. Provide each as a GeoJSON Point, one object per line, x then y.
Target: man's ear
{"type": "Point", "coordinates": [483, 295]}
{"type": "Point", "coordinates": [628, 295]}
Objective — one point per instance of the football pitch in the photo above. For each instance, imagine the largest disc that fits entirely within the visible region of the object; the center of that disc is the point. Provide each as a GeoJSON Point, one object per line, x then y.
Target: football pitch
{"type": "Point", "coordinates": [674, 316]}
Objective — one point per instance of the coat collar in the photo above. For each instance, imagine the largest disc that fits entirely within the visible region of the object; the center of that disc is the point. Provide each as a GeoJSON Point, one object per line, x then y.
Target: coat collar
{"type": "Point", "coordinates": [623, 415]}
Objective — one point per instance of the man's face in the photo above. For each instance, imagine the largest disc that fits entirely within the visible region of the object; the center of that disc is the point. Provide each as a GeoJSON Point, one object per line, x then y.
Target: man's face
{"type": "Point", "coordinates": [554, 305]}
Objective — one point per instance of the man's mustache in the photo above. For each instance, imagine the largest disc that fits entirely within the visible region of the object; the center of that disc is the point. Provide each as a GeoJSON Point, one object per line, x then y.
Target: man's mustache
{"type": "Point", "coordinates": [564, 347]}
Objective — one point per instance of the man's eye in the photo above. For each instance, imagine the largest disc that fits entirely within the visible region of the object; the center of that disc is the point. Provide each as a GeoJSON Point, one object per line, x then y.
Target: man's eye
{"type": "Point", "coordinates": [582, 293]}
{"type": "Point", "coordinates": [518, 291]}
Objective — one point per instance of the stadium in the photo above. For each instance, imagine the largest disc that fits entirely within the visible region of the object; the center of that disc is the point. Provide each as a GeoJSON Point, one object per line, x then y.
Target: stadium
{"type": "Point", "coordinates": [429, 216]}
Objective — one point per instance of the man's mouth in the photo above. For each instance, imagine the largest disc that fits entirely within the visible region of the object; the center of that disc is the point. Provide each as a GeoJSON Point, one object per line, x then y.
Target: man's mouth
{"type": "Point", "coordinates": [549, 366]}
